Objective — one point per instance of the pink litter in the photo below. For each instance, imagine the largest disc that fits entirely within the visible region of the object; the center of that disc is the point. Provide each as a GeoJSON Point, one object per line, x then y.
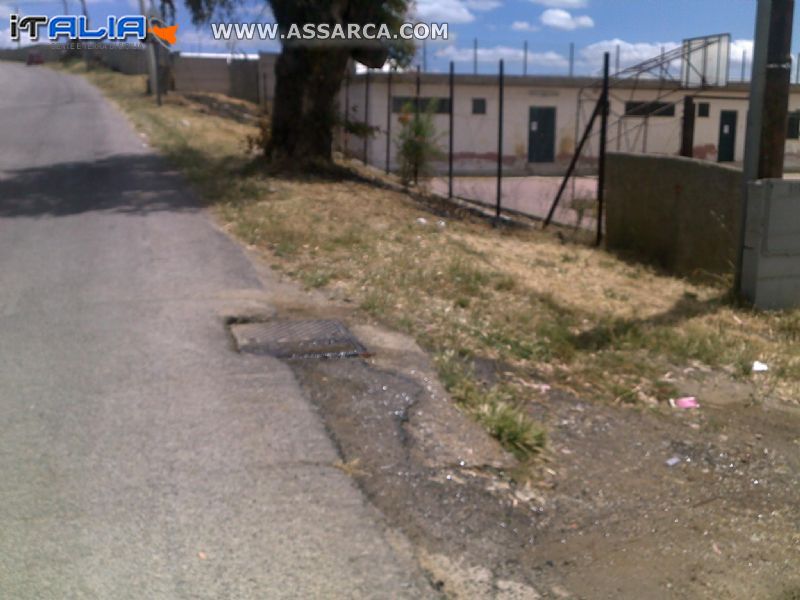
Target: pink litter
{"type": "Point", "coordinates": [685, 403]}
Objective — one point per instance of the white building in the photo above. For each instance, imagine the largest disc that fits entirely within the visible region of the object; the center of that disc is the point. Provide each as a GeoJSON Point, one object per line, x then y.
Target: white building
{"type": "Point", "coordinates": [544, 116]}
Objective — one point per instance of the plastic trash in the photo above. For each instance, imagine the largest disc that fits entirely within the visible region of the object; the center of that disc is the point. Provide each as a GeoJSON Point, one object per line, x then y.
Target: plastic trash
{"type": "Point", "coordinates": [760, 367]}
{"type": "Point", "coordinates": [685, 403]}
{"type": "Point", "coordinates": [422, 221]}
{"type": "Point", "coordinates": [673, 461]}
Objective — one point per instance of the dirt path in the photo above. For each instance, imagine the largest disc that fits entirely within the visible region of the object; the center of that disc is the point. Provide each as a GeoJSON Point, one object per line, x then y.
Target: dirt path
{"type": "Point", "coordinates": [606, 517]}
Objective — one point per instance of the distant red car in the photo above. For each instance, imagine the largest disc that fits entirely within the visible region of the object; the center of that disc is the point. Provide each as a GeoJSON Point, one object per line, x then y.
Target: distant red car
{"type": "Point", "coordinates": [35, 58]}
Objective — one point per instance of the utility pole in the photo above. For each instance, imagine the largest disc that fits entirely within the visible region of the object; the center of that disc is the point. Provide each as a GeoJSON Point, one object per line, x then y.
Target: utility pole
{"type": "Point", "coordinates": [767, 116]}
{"type": "Point", "coordinates": [86, 15]}
{"type": "Point", "coordinates": [571, 59]}
{"type": "Point", "coordinates": [777, 82]}
{"type": "Point", "coordinates": [475, 57]}
{"type": "Point", "coordinates": [744, 65]}
{"type": "Point", "coordinates": [152, 65]}
{"type": "Point", "coordinates": [525, 58]}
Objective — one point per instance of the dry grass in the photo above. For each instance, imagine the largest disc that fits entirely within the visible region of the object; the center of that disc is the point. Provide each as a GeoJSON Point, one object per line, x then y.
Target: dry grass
{"type": "Point", "coordinates": [544, 310]}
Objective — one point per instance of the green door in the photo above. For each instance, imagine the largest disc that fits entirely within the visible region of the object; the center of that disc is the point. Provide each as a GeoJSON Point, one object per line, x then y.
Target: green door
{"type": "Point", "coordinates": [727, 136]}
{"type": "Point", "coordinates": [542, 134]}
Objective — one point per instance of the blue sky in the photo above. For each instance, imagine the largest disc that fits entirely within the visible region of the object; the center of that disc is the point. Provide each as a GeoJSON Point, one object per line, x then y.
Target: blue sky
{"type": "Point", "coordinates": [639, 27]}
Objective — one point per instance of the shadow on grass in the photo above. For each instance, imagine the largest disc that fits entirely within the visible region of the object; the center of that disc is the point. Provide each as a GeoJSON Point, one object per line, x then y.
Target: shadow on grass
{"type": "Point", "coordinates": [605, 334]}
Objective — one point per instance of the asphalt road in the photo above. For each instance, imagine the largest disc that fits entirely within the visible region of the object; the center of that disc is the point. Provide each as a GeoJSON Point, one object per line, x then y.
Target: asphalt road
{"type": "Point", "coordinates": [140, 457]}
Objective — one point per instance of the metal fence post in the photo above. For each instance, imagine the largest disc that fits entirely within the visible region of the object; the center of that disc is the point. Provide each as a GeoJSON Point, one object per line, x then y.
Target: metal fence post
{"type": "Point", "coordinates": [366, 117]}
{"type": "Point", "coordinates": [601, 179]}
{"type": "Point", "coordinates": [500, 146]}
{"type": "Point", "coordinates": [450, 134]}
{"type": "Point", "coordinates": [687, 135]}
{"type": "Point", "coordinates": [346, 113]}
{"type": "Point", "coordinates": [417, 101]}
{"type": "Point", "coordinates": [389, 122]}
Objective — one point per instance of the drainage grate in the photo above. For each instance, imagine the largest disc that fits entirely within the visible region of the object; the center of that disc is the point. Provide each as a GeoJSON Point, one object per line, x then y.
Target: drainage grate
{"type": "Point", "coordinates": [297, 339]}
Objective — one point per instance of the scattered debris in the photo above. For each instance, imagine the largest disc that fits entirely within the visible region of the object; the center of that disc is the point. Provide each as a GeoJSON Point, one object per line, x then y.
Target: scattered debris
{"type": "Point", "coordinates": [686, 403]}
{"type": "Point", "coordinates": [673, 461]}
{"type": "Point", "coordinates": [422, 221]}
{"type": "Point", "coordinates": [760, 367]}
{"type": "Point", "coordinates": [441, 224]}
{"type": "Point", "coordinates": [202, 555]}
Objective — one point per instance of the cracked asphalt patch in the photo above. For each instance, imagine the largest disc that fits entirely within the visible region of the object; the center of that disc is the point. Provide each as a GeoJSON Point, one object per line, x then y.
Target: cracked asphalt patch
{"type": "Point", "coordinates": [462, 528]}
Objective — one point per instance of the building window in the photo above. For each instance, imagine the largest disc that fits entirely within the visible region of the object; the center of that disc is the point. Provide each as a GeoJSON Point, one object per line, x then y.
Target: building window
{"type": "Point", "coordinates": [794, 126]}
{"type": "Point", "coordinates": [649, 109]}
{"type": "Point", "coordinates": [703, 109]}
{"type": "Point", "coordinates": [438, 105]}
{"type": "Point", "coordinates": [479, 106]}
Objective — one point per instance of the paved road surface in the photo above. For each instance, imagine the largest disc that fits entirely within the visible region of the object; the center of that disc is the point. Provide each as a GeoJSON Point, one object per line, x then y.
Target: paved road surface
{"type": "Point", "coordinates": [139, 456]}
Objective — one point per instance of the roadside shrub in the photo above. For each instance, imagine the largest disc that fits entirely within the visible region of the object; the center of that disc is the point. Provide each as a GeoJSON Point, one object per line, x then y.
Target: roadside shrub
{"type": "Point", "coordinates": [416, 143]}
{"type": "Point", "coordinates": [259, 141]}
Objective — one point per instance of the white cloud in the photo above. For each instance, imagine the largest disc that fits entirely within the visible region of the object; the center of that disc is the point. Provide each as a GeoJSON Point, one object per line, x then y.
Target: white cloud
{"type": "Point", "coordinates": [558, 18]}
{"type": "Point", "coordinates": [450, 11]}
{"type": "Point", "coordinates": [524, 26]}
{"type": "Point", "coordinates": [562, 3]}
{"type": "Point", "coordinates": [494, 54]}
{"type": "Point", "coordinates": [738, 48]}
{"type": "Point", "coordinates": [630, 54]}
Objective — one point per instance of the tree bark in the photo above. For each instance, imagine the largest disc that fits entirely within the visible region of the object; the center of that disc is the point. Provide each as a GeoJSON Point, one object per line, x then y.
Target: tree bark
{"type": "Point", "coordinates": [305, 106]}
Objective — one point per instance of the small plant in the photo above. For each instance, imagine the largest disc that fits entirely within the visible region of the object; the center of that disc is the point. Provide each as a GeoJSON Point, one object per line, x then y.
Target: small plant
{"type": "Point", "coordinates": [259, 141]}
{"type": "Point", "coordinates": [416, 143]}
{"type": "Point", "coordinates": [360, 129]}
{"type": "Point", "coordinates": [495, 407]}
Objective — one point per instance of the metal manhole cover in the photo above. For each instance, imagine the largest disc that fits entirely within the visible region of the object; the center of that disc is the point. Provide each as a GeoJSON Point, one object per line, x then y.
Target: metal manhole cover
{"type": "Point", "coordinates": [297, 339]}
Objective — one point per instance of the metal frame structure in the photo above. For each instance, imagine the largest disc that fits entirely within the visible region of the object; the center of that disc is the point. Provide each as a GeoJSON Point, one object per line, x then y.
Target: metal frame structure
{"type": "Point", "coordinates": [659, 68]}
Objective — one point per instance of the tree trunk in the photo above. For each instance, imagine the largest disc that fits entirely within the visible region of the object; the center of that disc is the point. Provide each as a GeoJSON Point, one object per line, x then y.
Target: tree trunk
{"type": "Point", "coordinates": [305, 106]}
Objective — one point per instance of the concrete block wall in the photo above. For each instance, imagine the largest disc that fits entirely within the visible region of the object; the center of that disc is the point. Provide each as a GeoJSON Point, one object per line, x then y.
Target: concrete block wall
{"type": "Point", "coordinates": [771, 273]}
{"type": "Point", "coordinates": [201, 74]}
{"type": "Point", "coordinates": [244, 78]}
{"type": "Point", "coordinates": [679, 213]}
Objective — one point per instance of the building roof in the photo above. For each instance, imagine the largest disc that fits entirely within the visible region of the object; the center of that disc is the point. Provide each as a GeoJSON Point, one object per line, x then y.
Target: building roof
{"type": "Point", "coordinates": [554, 81]}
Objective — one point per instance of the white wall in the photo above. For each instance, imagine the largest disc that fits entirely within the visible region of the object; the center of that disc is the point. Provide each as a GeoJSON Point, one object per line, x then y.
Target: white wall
{"type": "Point", "coordinates": [475, 136]}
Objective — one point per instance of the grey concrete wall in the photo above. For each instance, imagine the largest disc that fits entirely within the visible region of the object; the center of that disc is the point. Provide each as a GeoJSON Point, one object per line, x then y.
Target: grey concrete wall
{"type": "Point", "coordinates": [679, 213]}
{"type": "Point", "coordinates": [248, 79]}
{"type": "Point", "coordinates": [201, 74]}
{"type": "Point", "coordinates": [244, 80]}
{"type": "Point", "coordinates": [129, 61]}
{"type": "Point", "coordinates": [771, 273]}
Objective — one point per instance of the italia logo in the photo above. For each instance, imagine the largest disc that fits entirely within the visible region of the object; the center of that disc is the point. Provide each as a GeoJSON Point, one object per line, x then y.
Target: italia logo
{"type": "Point", "coordinates": [76, 27]}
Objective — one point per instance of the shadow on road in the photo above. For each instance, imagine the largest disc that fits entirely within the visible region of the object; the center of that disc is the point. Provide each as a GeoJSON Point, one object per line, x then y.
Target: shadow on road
{"type": "Point", "coordinates": [126, 183]}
